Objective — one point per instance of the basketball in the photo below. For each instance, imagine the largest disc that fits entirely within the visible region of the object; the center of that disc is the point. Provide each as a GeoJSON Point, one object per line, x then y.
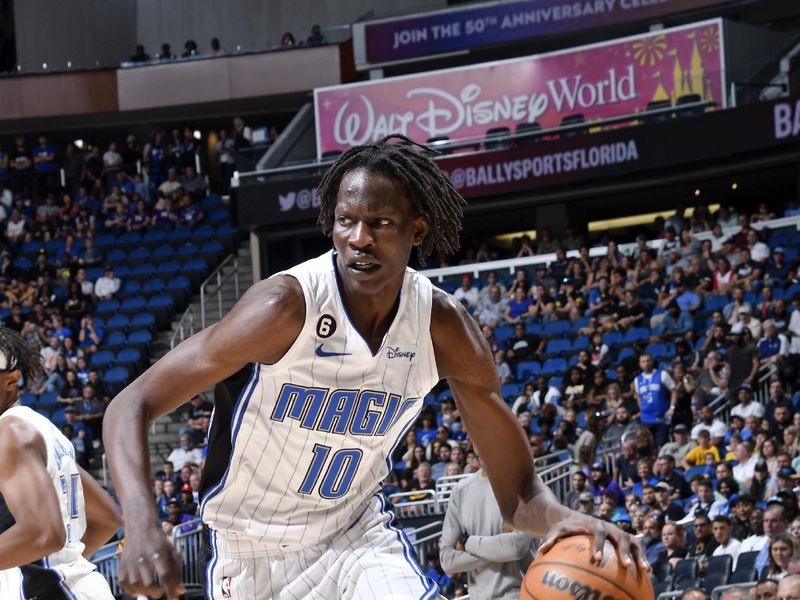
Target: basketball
{"type": "Point", "coordinates": [566, 572]}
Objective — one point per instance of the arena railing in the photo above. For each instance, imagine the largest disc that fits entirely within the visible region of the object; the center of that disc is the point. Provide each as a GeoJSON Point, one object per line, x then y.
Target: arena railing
{"type": "Point", "coordinates": [184, 328]}
{"type": "Point", "coordinates": [213, 286]}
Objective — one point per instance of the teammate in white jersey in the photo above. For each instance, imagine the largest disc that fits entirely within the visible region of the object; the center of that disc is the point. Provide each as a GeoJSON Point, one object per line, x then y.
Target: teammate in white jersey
{"type": "Point", "coordinates": [62, 515]}
{"type": "Point", "coordinates": [324, 369]}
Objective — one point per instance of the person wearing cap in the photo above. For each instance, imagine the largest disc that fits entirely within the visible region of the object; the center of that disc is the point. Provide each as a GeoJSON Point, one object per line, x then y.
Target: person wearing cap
{"type": "Point", "coordinates": [722, 529]}
{"type": "Point", "coordinates": [467, 294]}
{"type": "Point", "coordinates": [747, 319]}
{"type": "Point", "coordinates": [602, 483]}
{"type": "Point", "coordinates": [680, 447]}
{"type": "Point", "coordinates": [585, 503]}
{"type": "Point", "coordinates": [663, 504]}
{"type": "Point", "coordinates": [773, 346]}
{"type": "Point", "coordinates": [787, 479]}
{"type": "Point", "coordinates": [747, 406]}
{"type": "Point", "coordinates": [777, 269]}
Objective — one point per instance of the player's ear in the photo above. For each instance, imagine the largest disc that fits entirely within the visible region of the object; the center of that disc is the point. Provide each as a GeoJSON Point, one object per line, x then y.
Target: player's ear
{"type": "Point", "coordinates": [10, 380]}
{"type": "Point", "coordinates": [420, 229]}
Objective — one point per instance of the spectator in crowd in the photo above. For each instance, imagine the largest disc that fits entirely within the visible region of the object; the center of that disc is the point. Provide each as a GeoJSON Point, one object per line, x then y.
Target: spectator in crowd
{"type": "Point", "coordinates": [139, 55]}
{"type": "Point", "coordinates": [316, 38]}
{"type": "Point", "coordinates": [106, 286]}
{"type": "Point", "coordinates": [766, 589]}
{"type": "Point", "coordinates": [185, 453]}
{"type": "Point", "coordinates": [782, 548]}
{"type": "Point", "coordinates": [726, 543]}
{"type": "Point", "coordinates": [704, 544]}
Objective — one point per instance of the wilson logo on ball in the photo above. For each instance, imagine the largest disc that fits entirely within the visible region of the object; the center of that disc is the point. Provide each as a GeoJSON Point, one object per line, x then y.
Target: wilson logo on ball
{"type": "Point", "coordinates": [578, 590]}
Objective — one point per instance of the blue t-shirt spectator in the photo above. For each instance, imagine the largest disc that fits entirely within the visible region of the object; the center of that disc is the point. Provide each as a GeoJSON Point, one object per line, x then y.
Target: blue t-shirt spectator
{"type": "Point", "coordinates": [43, 157]}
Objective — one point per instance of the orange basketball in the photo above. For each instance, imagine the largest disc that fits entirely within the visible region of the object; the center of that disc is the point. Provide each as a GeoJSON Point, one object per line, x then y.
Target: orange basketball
{"type": "Point", "coordinates": [567, 573]}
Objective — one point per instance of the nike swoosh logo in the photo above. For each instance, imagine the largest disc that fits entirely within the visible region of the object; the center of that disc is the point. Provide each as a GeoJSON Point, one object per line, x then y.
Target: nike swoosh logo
{"type": "Point", "coordinates": [323, 353]}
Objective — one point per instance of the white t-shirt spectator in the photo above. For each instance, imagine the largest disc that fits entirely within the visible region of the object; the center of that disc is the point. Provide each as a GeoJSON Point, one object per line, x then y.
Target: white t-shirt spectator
{"type": "Point", "coordinates": [180, 457]}
{"type": "Point", "coordinates": [470, 296]}
{"type": "Point", "coordinates": [731, 548]}
{"type": "Point", "coordinates": [14, 230]}
{"type": "Point", "coordinates": [759, 252]}
{"type": "Point", "coordinates": [754, 543]}
{"type": "Point", "coordinates": [717, 429]}
{"type": "Point", "coordinates": [112, 159]}
{"type": "Point", "coordinates": [753, 408]}
{"type": "Point", "coordinates": [744, 471]}
{"type": "Point", "coordinates": [794, 329]}
{"type": "Point", "coordinates": [106, 286]}
{"type": "Point", "coordinates": [6, 198]}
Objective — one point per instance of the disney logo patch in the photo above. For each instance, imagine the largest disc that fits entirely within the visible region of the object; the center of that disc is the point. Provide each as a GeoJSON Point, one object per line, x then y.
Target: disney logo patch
{"type": "Point", "coordinates": [400, 352]}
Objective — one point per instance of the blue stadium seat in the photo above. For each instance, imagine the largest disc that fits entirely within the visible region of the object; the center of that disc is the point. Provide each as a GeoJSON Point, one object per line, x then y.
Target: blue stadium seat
{"type": "Point", "coordinates": [162, 254]}
{"type": "Point", "coordinates": [179, 236]}
{"type": "Point", "coordinates": [122, 271]}
{"type": "Point", "coordinates": [212, 252]}
{"type": "Point", "coordinates": [557, 347]}
{"type": "Point", "coordinates": [94, 273]}
{"type": "Point", "coordinates": [102, 359]}
{"type": "Point", "coordinates": [131, 287]}
{"type": "Point", "coordinates": [612, 338]}
{"type": "Point", "coordinates": [59, 418]}
{"type": "Point", "coordinates": [118, 323]}
{"type": "Point", "coordinates": [23, 264]}
{"type": "Point", "coordinates": [692, 471]}
{"type": "Point", "coordinates": [130, 358]}
{"type": "Point", "coordinates": [503, 333]}
{"type": "Point", "coordinates": [210, 202]}
{"type": "Point", "coordinates": [141, 339]}
{"type": "Point", "coordinates": [636, 334]}
{"type": "Point", "coordinates": [106, 240]}
{"type": "Point", "coordinates": [153, 287]}
{"type": "Point", "coordinates": [580, 343]}
{"type": "Point", "coordinates": [129, 239]}
{"type": "Point", "coordinates": [527, 369]}
{"type": "Point", "coordinates": [554, 328]}
{"type": "Point", "coordinates": [115, 340]}
{"type": "Point", "coordinates": [203, 233]}
{"type": "Point", "coordinates": [778, 239]}
{"type": "Point", "coordinates": [219, 216]}
{"type": "Point", "coordinates": [554, 366]}
{"type": "Point", "coordinates": [143, 272]}
{"type": "Point", "coordinates": [31, 248]}
{"type": "Point", "coordinates": [133, 306]}
{"type": "Point", "coordinates": [196, 270]}
{"type": "Point", "coordinates": [228, 235]}
{"type": "Point", "coordinates": [153, 238]}
{"type": "Point", "coordinates": [557, 381]}
{"type": "Point", "coordinates": [143, 321]}
{"type": "Point", "coordinates": [611, 374]}
{"type": "Point", "coordinates": [116, 378]}
{"type": "Point", "coordinates": [162, 307]}
{"type": "Point", "coordinates": [169, 269]}
{"type": "Point", "coordinates": [716, 302]}
{"type": "Point", "coordinates": [186, 251]}
{"type": "Point", "coordinates": [116, 257]}
{"type": "Point", "coordinates": [138, 255]}
{"type": "Point", "coordinates": [28, 399]}
{"type": "Point", "coordinates": [107, 307]}
{"type": "Point", "coordinates": [510, 391]}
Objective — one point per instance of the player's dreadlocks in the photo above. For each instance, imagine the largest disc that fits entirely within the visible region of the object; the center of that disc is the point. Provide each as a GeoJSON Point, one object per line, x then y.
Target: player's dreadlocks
{"type": "Point", "coordinates": [430, 191]}
{"type": "Point", "coordinates": [16, 353]}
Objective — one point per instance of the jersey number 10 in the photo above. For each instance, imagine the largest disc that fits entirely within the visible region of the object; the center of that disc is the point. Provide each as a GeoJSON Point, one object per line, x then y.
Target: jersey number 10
{"type": "Point", "coordinates": [338, 475]}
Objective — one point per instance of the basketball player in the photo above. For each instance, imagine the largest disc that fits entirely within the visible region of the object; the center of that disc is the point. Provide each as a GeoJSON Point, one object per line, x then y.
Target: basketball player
{"type": "Point", "coordinates": [62, 515]}
{"type": "Point", "coordinates": [325, 367]}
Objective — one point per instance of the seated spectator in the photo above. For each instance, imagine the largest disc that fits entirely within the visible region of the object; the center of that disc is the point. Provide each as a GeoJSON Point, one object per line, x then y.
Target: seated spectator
{"type": "Point", "coordinates": [702, 543]}
{"type": "Point", "coordinates": [90, 336]}
{"type": "Point", "coordinates": [523, 346]}
{"type": "Point", "coordinates": [193, 184]}
{"type": "Point", "coordinates": [782, 548]}
{"type": "Point", "coordinates": [672, 536]}
{"type": "Point", "coordinates": [503, 370]}
{"type": "Point", "coordinates": [747, 406]}
{"type": "Point", "coordinates": [664, 504]}
{"type": "Point", "coordinates": [703, 503]}
{"type": "Point", "coordinates": [774, 522]}
{"type": "Point", "coordinates": [697, 456]}
{"type": "Point", "coordinates": [716, 428]}
{"type": "Point", "coordinates": [744, 470]}
{"type": "Point", "coordinates": [106, 286]}
{"type": "Point", "coordinates": [89, 409]}
{"type": "Point", "coordinates": [519, 308]}
{"type": "Point", "coordinates": [726, 543]}
{"type": "Point", "coordinates": [680, 447]}
{"type": "Point", "coordinates": [185, 453]}
{"type": "Point", "coordinates": [665, 471]}
{"type": "Point", "coordinates": [602, 483]}
{"type": "Point", "coordinates": [189, 214]}
{"type": "Point", "coordinates": [139, 55]}
{"type": "Point", "coordinates": [139, 218]}
{"type": "Point", "coordinates": [422, 482]}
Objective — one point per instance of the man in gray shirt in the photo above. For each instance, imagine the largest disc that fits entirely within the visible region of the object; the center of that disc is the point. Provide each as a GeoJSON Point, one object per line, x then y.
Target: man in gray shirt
{"type": "Point", "coordinates": [475, 540]}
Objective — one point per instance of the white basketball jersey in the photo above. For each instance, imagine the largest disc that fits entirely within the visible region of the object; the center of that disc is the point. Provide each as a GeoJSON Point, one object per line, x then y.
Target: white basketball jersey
{"type": "Point", "coordinates": [66, 480]}
{"type": "Point", "coordinates": [312, 435]}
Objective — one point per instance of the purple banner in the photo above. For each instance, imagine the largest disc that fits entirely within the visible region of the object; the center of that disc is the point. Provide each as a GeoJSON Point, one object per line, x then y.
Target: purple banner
{"type": "Point", "coordinates": [600, 81]}
{"type": "Point", "coordinates": [460, 29]}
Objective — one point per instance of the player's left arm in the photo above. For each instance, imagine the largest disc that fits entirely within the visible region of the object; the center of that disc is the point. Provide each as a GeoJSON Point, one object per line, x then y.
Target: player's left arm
{"type": "Point", "coordinates": [31, 498]}
{"type": "Point", "coordinates": [102, 517]}
{"type": "Point", "coordinates": [464, 358]}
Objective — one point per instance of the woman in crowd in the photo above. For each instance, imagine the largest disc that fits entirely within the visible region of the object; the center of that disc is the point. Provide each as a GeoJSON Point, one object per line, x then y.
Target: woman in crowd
{"type": "Point", "coordinates": [782, 548]}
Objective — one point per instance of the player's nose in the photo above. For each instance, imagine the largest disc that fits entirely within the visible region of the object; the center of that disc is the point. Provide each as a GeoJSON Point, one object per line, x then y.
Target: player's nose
{"type": "Point", "coordinates": [360, 236]}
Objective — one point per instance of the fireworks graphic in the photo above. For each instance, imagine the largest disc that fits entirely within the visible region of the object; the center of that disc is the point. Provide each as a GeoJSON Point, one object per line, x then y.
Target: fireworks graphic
{"type": "Point", "coordinates": [709, 39]}
{"type": "Point", "coordinates": [650, 51]}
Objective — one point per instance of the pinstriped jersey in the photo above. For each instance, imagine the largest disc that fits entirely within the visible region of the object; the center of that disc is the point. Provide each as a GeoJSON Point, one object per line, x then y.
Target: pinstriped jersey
{"type": "Point", "coordinates": [65, 478]}
{"type": "Point", "coordinates": [312, 435]}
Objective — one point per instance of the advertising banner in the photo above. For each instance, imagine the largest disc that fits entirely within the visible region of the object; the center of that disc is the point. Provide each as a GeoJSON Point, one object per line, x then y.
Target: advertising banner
{"type": "Point", "coordinates": [482, 176]}
{"type": "Point", "coordinates": [599, 81]}
{"type": "Point", "coordinates": [451, 30]}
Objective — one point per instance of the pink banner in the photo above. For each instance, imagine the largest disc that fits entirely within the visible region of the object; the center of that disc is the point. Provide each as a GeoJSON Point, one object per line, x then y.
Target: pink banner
{"type": "Point", "coordinates": [599, 81]}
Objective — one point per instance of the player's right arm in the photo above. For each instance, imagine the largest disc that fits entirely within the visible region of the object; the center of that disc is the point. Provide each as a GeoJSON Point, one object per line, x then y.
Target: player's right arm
{"type": "Point", "coordinates": [261, 327]}
{"type": "Point", "coordinates": [29, 493]}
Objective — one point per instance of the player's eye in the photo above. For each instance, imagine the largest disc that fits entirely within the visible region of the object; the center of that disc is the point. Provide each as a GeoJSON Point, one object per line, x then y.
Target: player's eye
{"type": "Point", "coordinates": [383, 222]}
{"type": "Point", "coordinates": [343, 220]}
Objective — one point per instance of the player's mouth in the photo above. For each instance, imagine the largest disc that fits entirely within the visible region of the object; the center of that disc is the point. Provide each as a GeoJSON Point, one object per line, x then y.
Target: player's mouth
{"type": "Point", "coordinates": [363, 265]}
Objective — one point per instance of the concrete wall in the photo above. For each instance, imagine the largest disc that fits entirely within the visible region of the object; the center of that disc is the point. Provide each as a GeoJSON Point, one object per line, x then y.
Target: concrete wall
{"type": "Point", "coordinates": [85, 31]}
{"type": "Point", "coordinates": [82, 31]}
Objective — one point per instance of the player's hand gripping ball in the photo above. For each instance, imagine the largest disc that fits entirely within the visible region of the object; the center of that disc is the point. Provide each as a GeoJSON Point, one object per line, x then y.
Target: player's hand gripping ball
{"type": "Point", "coordinates": [566, 572]}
